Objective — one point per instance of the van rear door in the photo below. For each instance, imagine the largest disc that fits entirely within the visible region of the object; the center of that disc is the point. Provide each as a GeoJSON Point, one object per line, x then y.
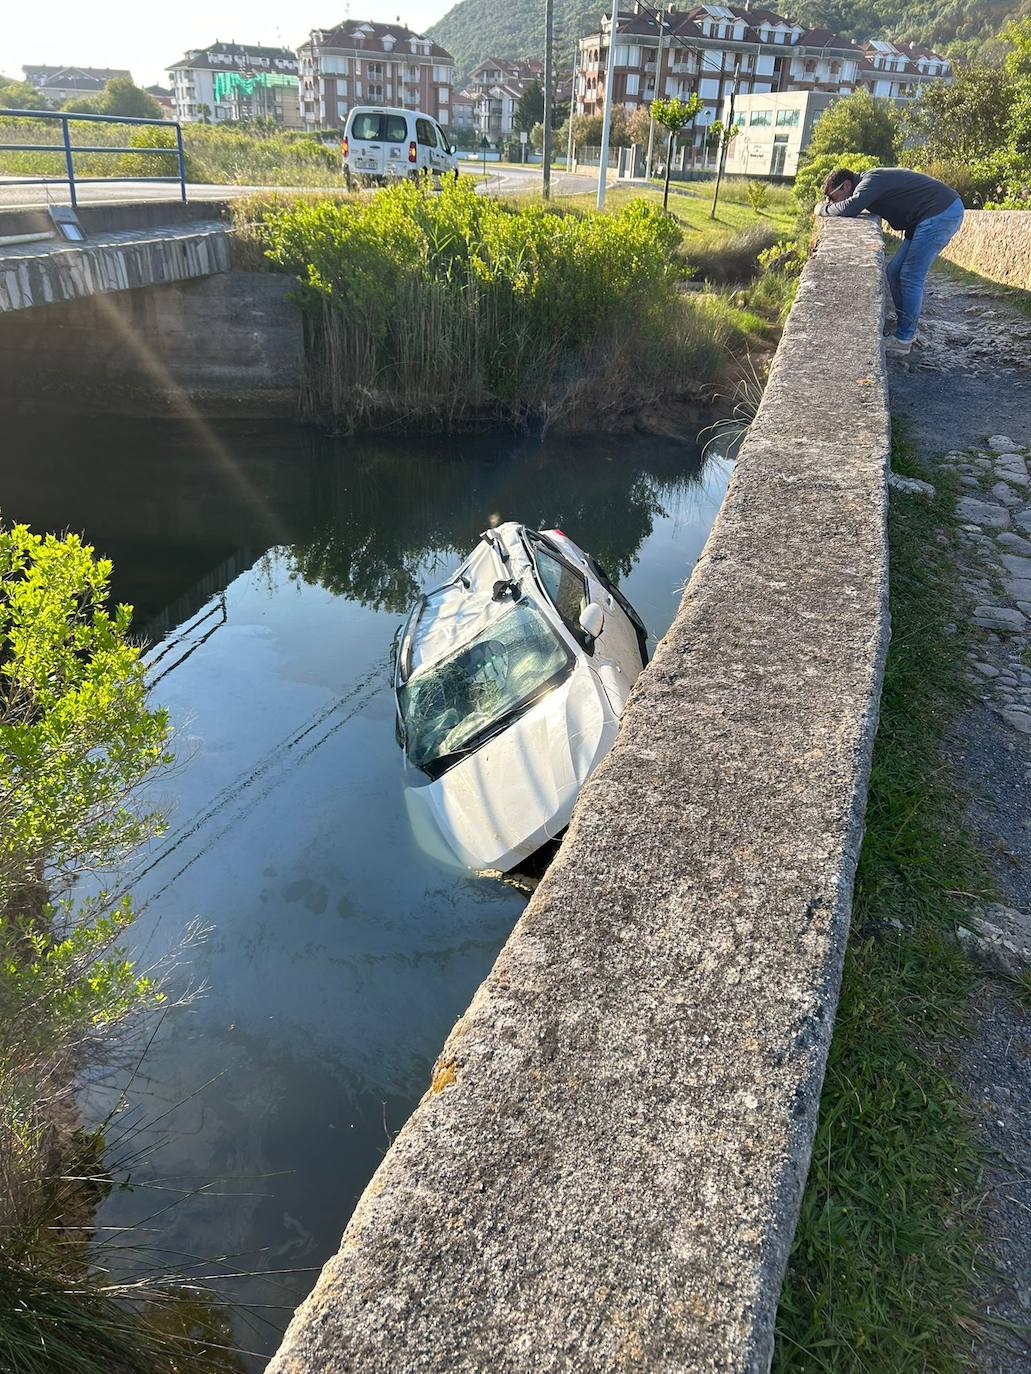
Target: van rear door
{"type": "Point", "coordinates": [378, 143]}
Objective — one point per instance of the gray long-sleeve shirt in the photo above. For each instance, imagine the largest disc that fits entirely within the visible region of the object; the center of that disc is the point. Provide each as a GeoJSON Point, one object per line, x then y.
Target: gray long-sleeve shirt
{"type": "Point", "coordinates": [901, 197]}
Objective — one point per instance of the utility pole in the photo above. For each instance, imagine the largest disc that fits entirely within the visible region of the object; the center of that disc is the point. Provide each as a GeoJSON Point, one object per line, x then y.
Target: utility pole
{"type": "Point", "coordinates": [658, 96]}
{"type": "Point", "coordinates": [724, 140]}
{"type": "Point", "coordinates": [572, 105]}
{"type": "Point", "coordinates": [606, 121]}
{"type": "Point", "coordinates": [549, 24]}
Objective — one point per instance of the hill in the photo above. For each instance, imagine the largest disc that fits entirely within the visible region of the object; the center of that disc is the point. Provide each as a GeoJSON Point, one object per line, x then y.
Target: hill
{"type": "Point", "coordinates": [475, 29]}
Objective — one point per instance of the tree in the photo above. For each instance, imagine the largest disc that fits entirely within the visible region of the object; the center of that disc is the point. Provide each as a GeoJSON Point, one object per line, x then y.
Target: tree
{"type": "Point", "coordinates": [19, 95]}
{"type": "Point", "coordinates": [119, 97]}
{"type": "Point", "coordinates": [674, 115]}
{"type": "Point", "coordinates": [859, 121]}
{"type": "Point", "coordinates": [530, 110]}
{"type": "Point", "coordinates": [965, 120]}
{"type": "Point", "coordinates": [638, 125]}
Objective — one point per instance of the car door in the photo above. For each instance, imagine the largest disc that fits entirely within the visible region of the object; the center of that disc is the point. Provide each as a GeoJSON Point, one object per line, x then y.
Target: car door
{"type": "Point", "coordinates": [429, 154]}
{"type": "Point", "coordinates": [446, 156]}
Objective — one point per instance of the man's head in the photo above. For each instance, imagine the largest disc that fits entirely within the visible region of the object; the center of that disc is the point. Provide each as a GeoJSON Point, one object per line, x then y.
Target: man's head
{"type": "Point", "coordinates": [840, 184]}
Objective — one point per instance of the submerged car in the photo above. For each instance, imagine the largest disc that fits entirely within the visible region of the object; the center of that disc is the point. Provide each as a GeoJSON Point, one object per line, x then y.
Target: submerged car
{"type": "Point", "coordinates": [510, 678]}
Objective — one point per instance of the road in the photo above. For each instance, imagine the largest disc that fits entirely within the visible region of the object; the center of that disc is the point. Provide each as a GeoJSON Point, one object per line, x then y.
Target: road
{"type": "Point", "coordinates": [504, 181]}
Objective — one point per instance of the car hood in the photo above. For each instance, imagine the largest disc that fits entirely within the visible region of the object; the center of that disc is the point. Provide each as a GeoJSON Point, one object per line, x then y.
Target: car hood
{"type": "Point", "coordinates": [517, 790]}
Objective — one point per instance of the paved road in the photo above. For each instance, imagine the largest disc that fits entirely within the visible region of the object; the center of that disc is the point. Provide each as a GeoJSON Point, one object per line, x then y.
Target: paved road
{"type": "Point", "coordinates": [500, 181]}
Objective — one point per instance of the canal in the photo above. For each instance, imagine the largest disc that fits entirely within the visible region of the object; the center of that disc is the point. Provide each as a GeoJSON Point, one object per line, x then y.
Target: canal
{"type": "Point", "coordinates": [269, 567]}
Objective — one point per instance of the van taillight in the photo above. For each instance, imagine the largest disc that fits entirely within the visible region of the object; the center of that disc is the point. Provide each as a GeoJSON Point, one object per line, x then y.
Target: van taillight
{"type": "Point", "coordinates": [345, 146]}
{"type": "Point", "coordinates": [413, 152]}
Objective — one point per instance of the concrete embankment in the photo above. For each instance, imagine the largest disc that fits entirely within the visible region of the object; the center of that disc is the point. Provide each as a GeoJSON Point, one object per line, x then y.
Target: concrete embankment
{"type": "Point", "coordinates": [606, 1169]}
{"type": "Point", "coordinates": [995, 244]}
{"type": "Point", "coordinates": [147, 317]}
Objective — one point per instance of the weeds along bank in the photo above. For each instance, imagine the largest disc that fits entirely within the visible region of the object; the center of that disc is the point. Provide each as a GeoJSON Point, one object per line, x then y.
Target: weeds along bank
{"type": "Point", "coordinates": [213, 154]}
{"type": "Point", "coordinates": [77, 739]}
{"type": "Point", "coordinates": [458, 308]}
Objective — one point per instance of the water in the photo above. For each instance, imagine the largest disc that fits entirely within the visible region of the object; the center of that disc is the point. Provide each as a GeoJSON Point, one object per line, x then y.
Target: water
{"type": "Point", "coordinates": [269, 568]}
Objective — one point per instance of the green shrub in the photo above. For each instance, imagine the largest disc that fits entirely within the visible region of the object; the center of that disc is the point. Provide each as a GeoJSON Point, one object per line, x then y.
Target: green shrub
{"type": "Point", "coordinates": [437, 305]}
{"type": "Point", "coordinates": [758, 195]}
{"type": "Point", "coordinates": [815, 171]}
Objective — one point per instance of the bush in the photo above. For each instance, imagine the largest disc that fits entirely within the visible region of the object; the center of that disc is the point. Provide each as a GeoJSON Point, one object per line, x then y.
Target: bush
{"type": "Point", "coordinates": [758, 196]}
{"type": "Point", "coordinates": [969, 182]}
{"type": "Point", "coordinates": [440, 305]}
{"type": "Point", "coordinates": [815, 171]}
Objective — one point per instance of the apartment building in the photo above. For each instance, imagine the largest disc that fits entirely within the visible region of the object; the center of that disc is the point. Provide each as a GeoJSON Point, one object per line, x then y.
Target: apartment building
{"type": "Point", "coordinates": [899, 71]}
{"type": "Point", "coordinates": [364, 63]}
{"type": "Point", "coordinates": [59, 84]}
{"type": "Point", "coordinates": [496, 86]}
{"type": "Point", "coordinates": [707, 49]}
{"type": "Point", "coordinates": [233, 81]}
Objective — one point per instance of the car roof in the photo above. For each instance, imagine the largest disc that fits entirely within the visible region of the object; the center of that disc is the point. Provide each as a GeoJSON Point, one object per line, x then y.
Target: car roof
{"type": "Point", "coordinates": [390, 109]}
{"type": "Point", "coordinates": [454, 613]}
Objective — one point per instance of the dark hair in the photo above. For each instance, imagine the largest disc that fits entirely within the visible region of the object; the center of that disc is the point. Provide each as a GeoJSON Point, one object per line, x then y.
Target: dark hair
{"type": "Point", "coordinates": [838, 178]}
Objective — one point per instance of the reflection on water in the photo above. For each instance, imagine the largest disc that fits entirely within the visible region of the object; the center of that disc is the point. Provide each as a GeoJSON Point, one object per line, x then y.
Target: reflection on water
{"type": "Point", "coordinates": [269, 583]}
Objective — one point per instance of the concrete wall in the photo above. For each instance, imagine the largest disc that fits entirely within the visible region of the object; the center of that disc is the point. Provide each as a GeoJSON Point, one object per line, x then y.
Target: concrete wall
{"type": "Point", "coordinates": [228, 344]}
{"type": "Point", "coordinates": [605, 1171]}
{"type": "Point", "coordinates": [40, 274]}
{"type": "Point", "coordinates": [995, 244]}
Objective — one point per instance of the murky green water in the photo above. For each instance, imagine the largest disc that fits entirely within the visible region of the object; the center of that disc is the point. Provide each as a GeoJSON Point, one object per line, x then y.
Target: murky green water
{"type": "Point", "coordinates": [269, 567]}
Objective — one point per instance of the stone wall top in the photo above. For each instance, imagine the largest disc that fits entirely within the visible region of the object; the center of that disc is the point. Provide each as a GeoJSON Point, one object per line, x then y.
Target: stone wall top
{"type": "Point", "coordinates": [606, 1169]}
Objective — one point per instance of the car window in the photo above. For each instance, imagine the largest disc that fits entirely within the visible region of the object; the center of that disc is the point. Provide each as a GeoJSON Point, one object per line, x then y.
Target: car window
{"type": "Point", "coordinates": [452, 707]}
{"type": "Point", "coordinates": [443, 139]}
{"type": "Point", "coordinates": [424, 133]}
{"type": "Point", "coordinates": [567, 589]}
{"type": "Point", "coordinates": [372, 127]}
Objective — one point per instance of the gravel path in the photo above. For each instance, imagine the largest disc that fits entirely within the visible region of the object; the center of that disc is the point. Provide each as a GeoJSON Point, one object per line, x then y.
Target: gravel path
{"type": "Point", "coordinates": [966, 396]}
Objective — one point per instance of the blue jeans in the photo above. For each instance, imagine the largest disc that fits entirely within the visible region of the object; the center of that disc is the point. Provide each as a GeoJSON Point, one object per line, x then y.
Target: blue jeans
{"type": "Point", "coordinates": [908, 269]}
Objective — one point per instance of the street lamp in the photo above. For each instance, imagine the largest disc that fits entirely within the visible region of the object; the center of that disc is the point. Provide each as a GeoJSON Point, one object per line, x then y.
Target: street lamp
{"type": "Point", "coordinates": [606, 119]}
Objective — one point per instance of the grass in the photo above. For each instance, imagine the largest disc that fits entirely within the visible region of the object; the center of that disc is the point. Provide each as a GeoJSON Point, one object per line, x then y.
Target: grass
{"type": "Point", "coordinates": [881, 1277]}
{"type": "Point", "coordinates": [691, 208]}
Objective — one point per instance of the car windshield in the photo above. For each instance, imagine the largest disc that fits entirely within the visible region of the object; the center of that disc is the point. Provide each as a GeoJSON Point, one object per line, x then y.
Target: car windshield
{"type": "Point", "coordinates": [452, 706]}
{"type": "Point", "coordinates": [379, 128]}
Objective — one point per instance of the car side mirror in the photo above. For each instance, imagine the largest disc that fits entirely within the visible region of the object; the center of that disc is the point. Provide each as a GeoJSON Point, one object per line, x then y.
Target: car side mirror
{"type": "Point", "coordinates": [592, 620]}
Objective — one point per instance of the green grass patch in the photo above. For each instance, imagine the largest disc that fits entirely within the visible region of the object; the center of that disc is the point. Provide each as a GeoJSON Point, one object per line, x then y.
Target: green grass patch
{"type": "Point", "coordinates": [880, 1279]}
{"type": "Point", "coordinates": [691, 209]}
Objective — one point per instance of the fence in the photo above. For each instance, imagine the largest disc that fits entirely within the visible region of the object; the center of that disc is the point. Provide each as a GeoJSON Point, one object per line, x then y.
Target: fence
{"type": "Point", "coordinates": [71, 149]}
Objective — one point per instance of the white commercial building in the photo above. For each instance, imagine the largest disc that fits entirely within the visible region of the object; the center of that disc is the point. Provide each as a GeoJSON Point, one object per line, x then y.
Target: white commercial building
{"type": "Point", "coordinates": [772, 130]}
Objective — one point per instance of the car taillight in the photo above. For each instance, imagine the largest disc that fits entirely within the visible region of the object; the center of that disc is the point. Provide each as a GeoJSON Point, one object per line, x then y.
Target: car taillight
{"type": "Point", "coordinates": [413, 152]}
{"type": "Point", "coordinates": [345, 146]}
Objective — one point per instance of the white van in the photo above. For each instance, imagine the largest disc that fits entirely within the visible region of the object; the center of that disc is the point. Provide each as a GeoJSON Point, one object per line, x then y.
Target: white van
{"type": "Point", "coordinates": [384, 144]}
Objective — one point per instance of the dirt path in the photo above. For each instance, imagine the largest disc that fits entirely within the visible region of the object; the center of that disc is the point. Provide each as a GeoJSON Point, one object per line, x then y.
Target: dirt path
{"type": "Point", "coordinates": [966, 398]}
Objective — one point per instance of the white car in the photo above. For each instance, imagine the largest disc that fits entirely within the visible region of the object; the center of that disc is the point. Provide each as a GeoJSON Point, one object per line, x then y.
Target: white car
{"type": "Point", "coordinates": [381, 143]}
{"type": "Point", "coordinates": [510, 678]}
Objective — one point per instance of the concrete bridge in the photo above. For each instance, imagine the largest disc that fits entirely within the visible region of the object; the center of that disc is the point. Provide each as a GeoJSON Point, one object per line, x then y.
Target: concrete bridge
{"type": "Point", "coordinates": [146, 316]}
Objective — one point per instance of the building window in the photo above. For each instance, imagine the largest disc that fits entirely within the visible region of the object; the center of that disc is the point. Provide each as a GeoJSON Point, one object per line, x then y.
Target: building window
{"type": "Point", "coordinates": [762, 118]}
{"type": "Point", "coordinates": [374, 70]}
{"type": "Point", "coordinates": [787, 119]}
{"type": "Point", "coordinates": [375, 92]}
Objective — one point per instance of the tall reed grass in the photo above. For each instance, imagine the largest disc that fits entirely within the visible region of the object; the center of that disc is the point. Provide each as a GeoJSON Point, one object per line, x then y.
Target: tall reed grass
{"type": "Point", "coordinates": [450, 307]}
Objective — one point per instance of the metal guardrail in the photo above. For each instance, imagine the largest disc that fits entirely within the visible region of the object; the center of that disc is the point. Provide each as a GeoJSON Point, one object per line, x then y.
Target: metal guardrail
{"type": "Point", "coordinates": [70, 149]}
